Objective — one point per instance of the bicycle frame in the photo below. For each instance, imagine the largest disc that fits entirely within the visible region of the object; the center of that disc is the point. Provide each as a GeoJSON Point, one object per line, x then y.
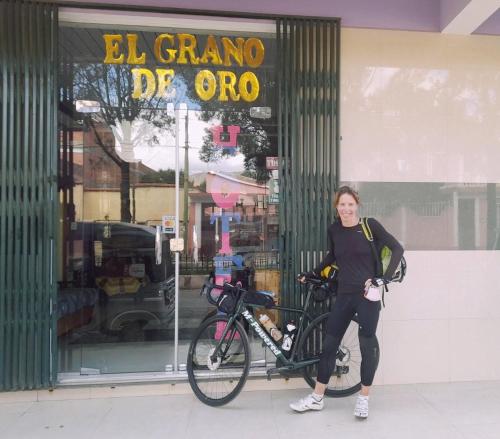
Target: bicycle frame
{"type": "Point", "coordinates": [288, 364]}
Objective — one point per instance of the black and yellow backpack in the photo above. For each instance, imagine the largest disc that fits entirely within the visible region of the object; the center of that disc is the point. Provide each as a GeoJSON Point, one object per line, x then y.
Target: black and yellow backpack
{"type": "Point", "coordinates": [383, 257]}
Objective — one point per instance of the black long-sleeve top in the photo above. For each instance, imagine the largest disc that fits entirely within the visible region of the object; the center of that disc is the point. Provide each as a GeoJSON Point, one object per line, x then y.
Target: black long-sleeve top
{"type": "Point", "coordinates": [351, 251]}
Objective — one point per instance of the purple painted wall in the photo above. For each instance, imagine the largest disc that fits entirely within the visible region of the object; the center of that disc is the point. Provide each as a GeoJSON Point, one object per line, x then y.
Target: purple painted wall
{"type": "Point", "coordinates": [450, 9]}
{"type": "Point", "coordinates": [420, 15]}
{"type": "Point", "coordinates": [491, 26]}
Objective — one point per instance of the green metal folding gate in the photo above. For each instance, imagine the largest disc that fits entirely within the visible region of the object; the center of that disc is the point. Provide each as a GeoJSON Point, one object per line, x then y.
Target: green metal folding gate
{"type": "Point", "coordinates": [28, 195]}
{"type": "Point", "coordinates": [308, 80]}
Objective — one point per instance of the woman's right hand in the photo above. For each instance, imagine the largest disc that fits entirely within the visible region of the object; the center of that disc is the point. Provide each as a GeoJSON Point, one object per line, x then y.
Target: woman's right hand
{"type": "Point", "coordinates": [302, 277]}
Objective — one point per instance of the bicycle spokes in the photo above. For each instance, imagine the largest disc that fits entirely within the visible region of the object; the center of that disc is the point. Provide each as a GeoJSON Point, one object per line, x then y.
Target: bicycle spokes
{"type": "Point", "coordinates": [218, 363]}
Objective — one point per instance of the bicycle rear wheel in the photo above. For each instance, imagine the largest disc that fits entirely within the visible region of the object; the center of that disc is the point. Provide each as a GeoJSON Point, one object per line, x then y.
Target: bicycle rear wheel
{"type": "Point", "coordinates": [216, 379]}
{"type": "Point", "coordinates": [345, 379]}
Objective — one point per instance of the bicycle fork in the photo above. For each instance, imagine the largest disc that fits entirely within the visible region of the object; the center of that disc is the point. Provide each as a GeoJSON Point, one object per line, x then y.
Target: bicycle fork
{"type": "Point", "coordinates": [230, 322]}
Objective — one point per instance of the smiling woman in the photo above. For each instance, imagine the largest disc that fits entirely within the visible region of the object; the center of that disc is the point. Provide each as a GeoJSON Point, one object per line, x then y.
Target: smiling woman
{"type": "Point", "coordinates": [358, 282]}
{"type": "Point", "coordinates": [346, 202]}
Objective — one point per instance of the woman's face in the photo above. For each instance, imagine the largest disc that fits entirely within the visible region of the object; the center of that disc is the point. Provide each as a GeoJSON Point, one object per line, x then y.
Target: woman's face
{"type": "Point", "coordinates": [347, 208]}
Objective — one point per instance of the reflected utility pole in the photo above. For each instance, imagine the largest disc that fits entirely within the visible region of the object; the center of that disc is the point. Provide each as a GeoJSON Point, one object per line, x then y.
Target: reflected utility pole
{"type": "Point", "coordinates": [186, 181]}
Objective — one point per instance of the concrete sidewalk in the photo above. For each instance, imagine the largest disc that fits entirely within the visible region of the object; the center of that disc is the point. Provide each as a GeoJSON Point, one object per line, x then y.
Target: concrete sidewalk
{"type": "Point", "coordinates": [444, 411]}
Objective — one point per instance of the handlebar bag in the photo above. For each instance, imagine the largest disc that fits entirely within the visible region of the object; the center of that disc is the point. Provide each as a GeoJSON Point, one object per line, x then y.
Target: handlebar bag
{"type": "Point", "coordinates": [227, 300]}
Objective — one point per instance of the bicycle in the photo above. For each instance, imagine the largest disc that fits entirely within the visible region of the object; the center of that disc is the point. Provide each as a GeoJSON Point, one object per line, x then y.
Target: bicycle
{"type": "Point", "coordinates": [219, 355]}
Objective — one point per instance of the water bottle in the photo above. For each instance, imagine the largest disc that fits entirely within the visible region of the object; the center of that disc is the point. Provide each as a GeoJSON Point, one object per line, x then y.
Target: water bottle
{"type": "Point", "coordinates": [270, 327]}
{"type": "Point", "coordinates": [289, 334]}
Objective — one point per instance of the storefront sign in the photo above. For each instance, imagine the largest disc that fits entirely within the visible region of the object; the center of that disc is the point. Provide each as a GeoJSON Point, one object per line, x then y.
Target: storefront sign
{"type": "Point", "coordinates": [181, 49]}
{"type": "Point", "coordinates": [168, 224]}
{"type": "Point", "coordinates": [177, 245]}
{"type": "Point", "coordinates": [274, 188]}
{"type": "Point", "coordinates": [227, 145]}
{"type": "Point", "coordinates": [225, 199]}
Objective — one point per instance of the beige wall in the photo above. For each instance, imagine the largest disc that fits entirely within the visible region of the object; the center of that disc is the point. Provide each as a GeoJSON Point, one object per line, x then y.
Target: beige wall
{"type": "Point", "coordinates": [442, 323]}
{"type": "Point", "coordinates": [151, 203]}
{"type": "Point", "coordinates": [419, 107]}
{"type": "Point", "coordinates": [422, 107]}
{"type": "Point", "coordinates": [154, 202]}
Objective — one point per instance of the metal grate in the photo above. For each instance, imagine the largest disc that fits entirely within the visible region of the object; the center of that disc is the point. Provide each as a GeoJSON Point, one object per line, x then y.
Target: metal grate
{"type": "Point", "coordinates": [28, 169]}
{"type": "Point", "coordinates": [308, 78]}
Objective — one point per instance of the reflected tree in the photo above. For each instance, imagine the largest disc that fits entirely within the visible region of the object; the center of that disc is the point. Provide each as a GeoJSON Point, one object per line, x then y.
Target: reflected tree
{"type": "Point", "coordinates": [134, 121]}
{"type": "Point", "coordinates": [256, 140]}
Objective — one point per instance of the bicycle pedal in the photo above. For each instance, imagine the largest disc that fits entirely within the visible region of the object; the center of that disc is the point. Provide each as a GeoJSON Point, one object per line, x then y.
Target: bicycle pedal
{"type": "Point", "coordinates": [270, 372]}
{"type": "Point", "coordinates": [341, 370]}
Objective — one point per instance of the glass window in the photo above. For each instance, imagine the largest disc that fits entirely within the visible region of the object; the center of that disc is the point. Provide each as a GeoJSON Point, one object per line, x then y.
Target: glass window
{"type": "Point", "coordinates": [128, 96]}
{"type": "Point", "coordinates": [420, 140]}
{"type": "Point", "coordinates": [435, 216]}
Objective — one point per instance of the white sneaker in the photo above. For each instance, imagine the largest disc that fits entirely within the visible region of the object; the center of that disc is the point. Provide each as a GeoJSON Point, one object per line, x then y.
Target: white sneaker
{"type": "Point", "coordinates": [307, 403]}
{"type": "Point", "coordinates": [361, 408]}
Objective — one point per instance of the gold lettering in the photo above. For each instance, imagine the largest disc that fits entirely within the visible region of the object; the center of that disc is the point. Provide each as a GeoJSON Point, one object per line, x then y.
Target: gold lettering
{"type": "Point", "coordinates": [113, 49]}
{"type": "Point", "coordinates": [158, 48]}
{"type": "Point", "coordinates": [165, 77]}
{"type": "Point", "coordinates": [211, 51]}
{"type": "Point", "coordinates": [132, 51]}
{"type": "Point", "coordinates": [187, 48]}
{"type": "Point", "coordinates": [225, 86]}
{"type": "Point", "coordinates": [246, 79]}
{"type": "Point", "coordinates": [253, 60]}
{"type": "Point", "coordinates": [205, 84]}
{"type": "Point", "coordinates": [137, 75]}
{"type": "Point", "coordinates": [231, 50]}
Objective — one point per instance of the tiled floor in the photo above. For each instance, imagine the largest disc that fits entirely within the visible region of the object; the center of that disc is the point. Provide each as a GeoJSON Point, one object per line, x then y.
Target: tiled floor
{"type": "Point", "coordinates": [428, 411]}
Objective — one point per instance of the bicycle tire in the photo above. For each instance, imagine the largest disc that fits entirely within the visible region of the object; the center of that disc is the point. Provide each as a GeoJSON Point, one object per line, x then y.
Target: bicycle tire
{"type": "Point", "coordinates": [210, 388]}
{"type": "Point", "coordinates": [340, 384]}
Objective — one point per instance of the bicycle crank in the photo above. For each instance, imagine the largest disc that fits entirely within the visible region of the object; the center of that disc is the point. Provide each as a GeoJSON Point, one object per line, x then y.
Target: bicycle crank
{"type": "Point", "coordinates": [211, 364]}
{"type": "Point", "coordinates": [343, 356]}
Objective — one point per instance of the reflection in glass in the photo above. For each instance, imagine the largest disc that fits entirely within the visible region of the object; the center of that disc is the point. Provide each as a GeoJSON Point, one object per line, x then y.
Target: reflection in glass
{"type": "Point", "coordinates": [117, 190]}
{"type": "Point", "coordinates": [435, 216]}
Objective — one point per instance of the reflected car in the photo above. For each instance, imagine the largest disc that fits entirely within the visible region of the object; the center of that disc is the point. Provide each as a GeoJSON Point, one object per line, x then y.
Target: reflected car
{"type": "Point", "coordinates": [128, 267]}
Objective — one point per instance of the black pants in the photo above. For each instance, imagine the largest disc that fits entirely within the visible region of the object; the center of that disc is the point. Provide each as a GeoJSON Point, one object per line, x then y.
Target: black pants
{"type": "Point", "coordinates": [341, 315]}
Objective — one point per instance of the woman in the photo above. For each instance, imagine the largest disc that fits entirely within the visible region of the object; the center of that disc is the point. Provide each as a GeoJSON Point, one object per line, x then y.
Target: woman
{"type": "Point", "coordinates": [352, 252]}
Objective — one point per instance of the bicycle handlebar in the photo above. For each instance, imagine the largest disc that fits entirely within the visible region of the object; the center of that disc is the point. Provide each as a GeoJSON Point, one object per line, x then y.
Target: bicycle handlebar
{"type": "Point", "coordinates": [310, 280]}
{"type": "Point", "coordinates": [207, 289]}
{"type": "Point", "coordinates": [209, 286]}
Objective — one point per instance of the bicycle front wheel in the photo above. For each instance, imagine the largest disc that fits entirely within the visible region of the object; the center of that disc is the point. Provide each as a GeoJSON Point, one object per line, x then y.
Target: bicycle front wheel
{"type": "Point", "coordinates": [218, 377]}
{"type": "Point", "coordinates": [346, 377]}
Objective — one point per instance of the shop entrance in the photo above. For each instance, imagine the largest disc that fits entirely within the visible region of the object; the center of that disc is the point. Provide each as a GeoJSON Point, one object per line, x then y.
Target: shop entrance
{"type": "Point", "coordinates": [121, 307]}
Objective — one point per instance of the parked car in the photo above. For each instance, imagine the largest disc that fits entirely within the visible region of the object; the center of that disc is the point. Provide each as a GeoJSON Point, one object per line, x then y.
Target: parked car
{"type": "Point", "coordinates": [130, 268]}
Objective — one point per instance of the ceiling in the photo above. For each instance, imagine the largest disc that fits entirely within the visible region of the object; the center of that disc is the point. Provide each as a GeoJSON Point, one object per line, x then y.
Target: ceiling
{"type": "Point", "coordinates": [462, 17]}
